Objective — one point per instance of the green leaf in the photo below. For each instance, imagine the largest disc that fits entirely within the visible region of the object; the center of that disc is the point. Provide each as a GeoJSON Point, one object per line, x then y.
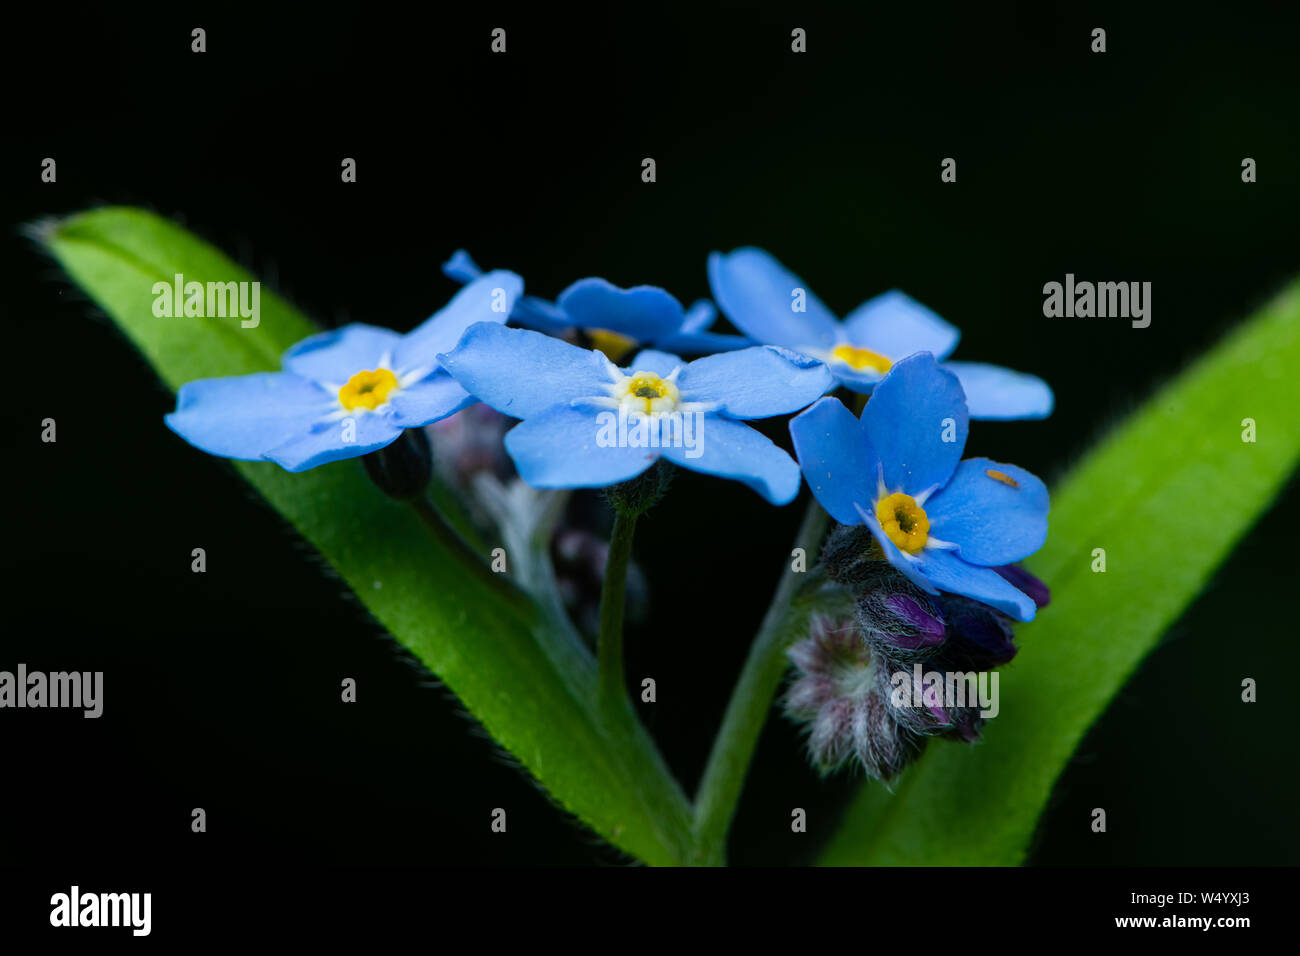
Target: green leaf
{"type": "Point", "coordinates": [1151, 495]}
{"type": "Point", "coordinates": [531, 685]}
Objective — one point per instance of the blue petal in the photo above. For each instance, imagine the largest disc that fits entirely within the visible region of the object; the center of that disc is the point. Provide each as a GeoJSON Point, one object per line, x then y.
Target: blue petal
{"type": "Point", "coordinates": [703, 343]}
{"type": "Point", "coordinates": [529, 310]}
{"type": "Point", "coordinates": [906, 420]}
{"type": "Point", "coordinates": [461, 268]}
{"type": "Point", "coordinates": [730, 449]}
{"type": "Point", "coordinates": [644, 312]}
{"type": "Point", "coordinates": [862, 381]}
{"type": "Point", "coordinates": [523, 373]}
{"type": "Point", "coordinates": [997, 393]}
{"type": "Point", "coordinates": [428, 401]}
{"type": "Point", "coordinates": [757, 294]}
{"type": "Point", "coordinates": [653, 360]}
{"type": "Point", "coordinates": [542, 315]}
{"type": "Point", "coordinates": [562, 448]}
{"type": "Point", "coordinates": [332, 358]}
{"type": "Point", "coordinates": [990, 521]}
{"type": "Point", "coordinates": [836, 458]}
{"type": "Point", "coordinates": [245, 416]}
{"type": "Point", "coordinates": [937, 569]}
{"type": "Point", "coordinates": [488, 298]}
{"type": "Point", "coordinates": [896, 325]}
{"type": "Point", "coordinates": [756, 382]}
{"type": "Point", "coordinates": [701, 314]}
{"type": "Point", "coordinates": [345, 438]}
{"type": "Point", "coordinates": [948, 572]}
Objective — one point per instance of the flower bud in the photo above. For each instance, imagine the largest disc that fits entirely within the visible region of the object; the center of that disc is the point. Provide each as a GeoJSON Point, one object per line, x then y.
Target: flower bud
{"type": "Point", "coordinates": [402, 469]}
{"type": "Point", "coordinates": [851, 556]}
{"type": "Point", "coordinates": [921, 705]}
{"type": "Point", "coordinates": [902, 622]}
{"type": "Point", "coordinates": [841, 693]}
{"type": "Point", "coordinates": [1022, 580]}
{"type": "Point", "coordinates": [980, 638]}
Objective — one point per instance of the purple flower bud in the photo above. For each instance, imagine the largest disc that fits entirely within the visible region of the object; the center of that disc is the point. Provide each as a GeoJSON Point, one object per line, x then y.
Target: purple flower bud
{"type": "Point", "coordinates": [1022, 580]}
{"type": "Point", "coordinates": [900, 621]}
{"type": "Point", "coordinates": [929, 628]}
{"type": "Point", "coordinates": [980, 637]}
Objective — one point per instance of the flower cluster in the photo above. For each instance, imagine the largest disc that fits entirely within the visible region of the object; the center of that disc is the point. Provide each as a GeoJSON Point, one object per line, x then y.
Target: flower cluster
{"type": "Point", "coordinates": [341, 394]}
{"type": "Point", "coordinates": [926, 548]}
{"type": "Point", "coordinates": [926, 543]}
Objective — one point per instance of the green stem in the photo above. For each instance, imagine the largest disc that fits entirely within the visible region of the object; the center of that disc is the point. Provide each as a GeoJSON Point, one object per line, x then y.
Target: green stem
{"type": "Point", "coordinates": [609, 644]}
{"type": "Point", "coordinates": [733, 748]}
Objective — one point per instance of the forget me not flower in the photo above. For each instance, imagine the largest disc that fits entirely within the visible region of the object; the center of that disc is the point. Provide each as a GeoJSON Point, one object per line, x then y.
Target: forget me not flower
{"type": "Point", "coordinates": [616, 320]}
{"type": "Point", "coordinates": [772, 305]}
{"type": "Point", "coordinates": [588, 423]}
{"type": "Point", "coordinates": [945, 523]}
{"type": "Point", "coordinates": [343, 393]}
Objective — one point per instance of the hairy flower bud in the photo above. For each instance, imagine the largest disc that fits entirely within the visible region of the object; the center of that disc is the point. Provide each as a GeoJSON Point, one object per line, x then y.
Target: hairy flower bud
{"type": "Point", "coordinates": [922, 705]}
{"type": "Point", "coordinates": [901, 622]}
{"type": "Point", "coordinates": [905, 666]}
{"type": "Point", "coordinates": [841, 693]}
{"type": "Point", "coordinates": [851, 556]}
{"type": "Point", "coordinates": [905, 625]}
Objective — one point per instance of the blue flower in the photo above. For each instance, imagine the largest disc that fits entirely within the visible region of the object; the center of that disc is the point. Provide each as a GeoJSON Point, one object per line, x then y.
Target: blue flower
{"type": "Point", "coordinates": [616, 320]}
{"type": "Point", "coordinates": [343, 393]}
{"type": "Point", "coordinates": [945, 523]}
{"type": "Point", "coordinates": [588, 423]}
{"type": "Point", "coordinates": [772, 305]}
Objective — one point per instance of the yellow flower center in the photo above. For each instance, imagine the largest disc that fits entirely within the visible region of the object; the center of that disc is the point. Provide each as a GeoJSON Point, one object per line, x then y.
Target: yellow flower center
{"type": "Point", "coordinates": [368, 389]}
{"type": "Point", "coordinates": [615, 345]}
{"type": "Point", "coordinates": [904, 521]}
{"type": "Point", "coordinates": [647, 392]}
{"type": "Point", "coordinates": [859, 359]}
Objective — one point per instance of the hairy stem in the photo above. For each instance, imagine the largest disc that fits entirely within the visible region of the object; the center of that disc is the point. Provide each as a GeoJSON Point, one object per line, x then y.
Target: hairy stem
{"type": "Point", "coordinates": [733, 748]}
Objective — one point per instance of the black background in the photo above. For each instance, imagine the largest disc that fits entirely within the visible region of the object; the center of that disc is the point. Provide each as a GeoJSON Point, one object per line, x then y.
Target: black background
{"type": "Point", "coordinates": [222, 689]}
